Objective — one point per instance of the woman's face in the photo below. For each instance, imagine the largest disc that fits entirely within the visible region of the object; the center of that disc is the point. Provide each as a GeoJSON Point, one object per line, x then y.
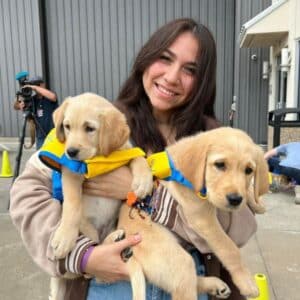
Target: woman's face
{"type": "Point", "coordinates": [169, 80]}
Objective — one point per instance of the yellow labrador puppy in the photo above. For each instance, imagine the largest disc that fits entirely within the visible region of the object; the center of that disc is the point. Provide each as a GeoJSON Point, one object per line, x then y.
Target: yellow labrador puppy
{"type": "Point", "coordinates": [90, 125]}
{"type": "Point", "coordinates": [232, 169]}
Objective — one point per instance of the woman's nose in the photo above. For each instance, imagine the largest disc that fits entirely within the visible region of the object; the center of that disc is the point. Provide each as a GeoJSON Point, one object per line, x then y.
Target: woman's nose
{"type": "Point", "coordinates": [172, 75]}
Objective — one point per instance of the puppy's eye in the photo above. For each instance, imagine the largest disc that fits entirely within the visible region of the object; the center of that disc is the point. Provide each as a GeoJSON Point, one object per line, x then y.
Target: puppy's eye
{"type": "Point", "coordinates": [220, 165]}
{"type": "Point", "coordinates": [89, 129]}
{"type": "Point", "coordinates": [248, 170]}
{"type": "Point", "coordinates": [67, 126]}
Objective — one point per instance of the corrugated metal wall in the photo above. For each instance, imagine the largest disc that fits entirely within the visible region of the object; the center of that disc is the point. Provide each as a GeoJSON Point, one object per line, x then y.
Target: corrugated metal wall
{"type": "Point", "coordinates": [20, 50]}
{"type": "Point", "coordinates": [92, 43]}
{"type": "Point", "coordinates": [249, 87]}
{"type": "Point", "coordinates": [90, 46]}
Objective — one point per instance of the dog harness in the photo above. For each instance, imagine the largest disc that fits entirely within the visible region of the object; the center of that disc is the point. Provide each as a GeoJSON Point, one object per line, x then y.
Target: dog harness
{"type": "Point", "coordinates": [53, 155]}
{"type": "Point", "coordinates": [163, 167]}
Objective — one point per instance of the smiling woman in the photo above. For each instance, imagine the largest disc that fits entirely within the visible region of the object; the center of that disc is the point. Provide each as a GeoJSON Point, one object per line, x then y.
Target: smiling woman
{"type": "Point", "coordinates": [169, 94]}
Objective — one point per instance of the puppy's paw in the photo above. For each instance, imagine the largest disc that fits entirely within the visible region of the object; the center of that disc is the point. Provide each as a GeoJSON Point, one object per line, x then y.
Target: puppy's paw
{"type": "Point", "coordinates": [221, 290]}
{"type": "Point", "coordinates": [63, 241]}
{"type": "Point", "coordinates": [215, 287]}
{"type": "Point", "coordinates": [142, 185]}
{"type": "Point", "coordinates": [126, 254]}
{"type": "Point", "coordinates": [246, 284]}
{"type": "Point", "coordinates": [116, 236]}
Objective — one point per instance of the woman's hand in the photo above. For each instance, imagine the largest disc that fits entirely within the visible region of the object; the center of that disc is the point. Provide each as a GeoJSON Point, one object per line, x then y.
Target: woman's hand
{"type": "Point", "coordinates": [19, 103]}
{"type": "Point", "coordinates": [115, 184]}
{"type": "Point", "coordinates": [270, 153]}
{"type": "Point", "coordinates": [105, 261]}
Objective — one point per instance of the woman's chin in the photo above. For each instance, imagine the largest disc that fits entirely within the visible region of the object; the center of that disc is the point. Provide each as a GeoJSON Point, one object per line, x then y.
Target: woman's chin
{"type": "Point", "coordinates": [162, 104]}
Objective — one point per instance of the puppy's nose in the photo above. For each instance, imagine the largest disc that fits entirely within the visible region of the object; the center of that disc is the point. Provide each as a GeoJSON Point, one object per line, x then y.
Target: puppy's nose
{"type": "Point", "coordinates": [234, 199]}
{"type": "Point", "coordinates": [72, 152]}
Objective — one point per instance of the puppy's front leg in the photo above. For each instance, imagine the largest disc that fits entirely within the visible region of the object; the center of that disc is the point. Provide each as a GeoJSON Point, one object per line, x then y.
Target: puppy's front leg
{"type": "Point", "coordinates": [66, 234]}
{"type": "Point", "coordinates": [228, 254]}
{"type": "Point", "coordinates": [142, 177]}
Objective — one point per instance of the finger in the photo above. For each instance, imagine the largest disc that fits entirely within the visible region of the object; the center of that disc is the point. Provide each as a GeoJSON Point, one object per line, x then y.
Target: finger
{"type": "Point", "coordinates": [128, 242]}
{"type": "Point", "coordinates": [86, 184]}
{"type": "Point", "coordinates": [88, 191]}
{"type": "Point", "coordinates": [94, 183]}
{"type": "Point", "coordinates": [90, 184]}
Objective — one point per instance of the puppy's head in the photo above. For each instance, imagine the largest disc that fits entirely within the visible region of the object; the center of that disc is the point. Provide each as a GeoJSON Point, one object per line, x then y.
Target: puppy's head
{"type": "Point", "coordinates": [226, 161]}
{"type": "Point", "coordinates": [90, 125]}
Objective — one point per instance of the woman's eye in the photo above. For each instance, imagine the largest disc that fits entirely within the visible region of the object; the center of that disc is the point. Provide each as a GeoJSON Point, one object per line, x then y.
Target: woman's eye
{"type": "Point", "coordinates": [248, 170]}
{"type": "Point", "coordinates": [189, 70]}
{"type": "Point", "coordinates": [89, 129]}
{"type": "Point", "coordinates": [67, 126]}
{"type": "Point", "coordinates": [220, 166]}
{"type": "Point", "coordinates": [165, 58]}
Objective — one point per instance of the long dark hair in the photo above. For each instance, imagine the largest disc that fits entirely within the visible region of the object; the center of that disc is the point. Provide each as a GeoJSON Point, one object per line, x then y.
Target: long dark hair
{"type": "Point", "coordinates": [197, 114]}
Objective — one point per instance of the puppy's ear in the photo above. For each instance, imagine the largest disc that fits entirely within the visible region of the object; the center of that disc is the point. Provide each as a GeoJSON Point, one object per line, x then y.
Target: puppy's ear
{"type": "Point", "coordinates": [261, 180]}
{"type": "Point", "coordinates": [114, 131]}
{"type": "Point", "coordinates": [190, 156]}
{"type": "Point", "coordinates": [58, 118]}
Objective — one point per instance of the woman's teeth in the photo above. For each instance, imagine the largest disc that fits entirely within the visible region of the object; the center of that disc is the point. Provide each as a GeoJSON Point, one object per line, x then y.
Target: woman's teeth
{"type": "Point", "coordinates": [165, 91]}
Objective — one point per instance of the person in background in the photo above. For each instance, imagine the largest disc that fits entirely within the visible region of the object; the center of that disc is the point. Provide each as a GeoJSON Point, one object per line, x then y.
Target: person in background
{"type": "Point", "coordinates": [169, 94]}
{"type": "Point", "coordinates": [44, 103]}
{"type": "Point", "coordinates": [285, 160]}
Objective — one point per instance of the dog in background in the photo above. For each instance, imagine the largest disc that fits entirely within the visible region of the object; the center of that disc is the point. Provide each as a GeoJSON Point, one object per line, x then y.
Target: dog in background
{"type": "Point", "coordinates": [90, 125]}
{"type": "Point", "coordinates": [233, 170]}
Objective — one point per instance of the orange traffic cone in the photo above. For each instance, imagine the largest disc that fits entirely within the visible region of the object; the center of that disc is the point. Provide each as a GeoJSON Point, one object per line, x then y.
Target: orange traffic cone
{"type": "Point", "coordinates": [6, 169]}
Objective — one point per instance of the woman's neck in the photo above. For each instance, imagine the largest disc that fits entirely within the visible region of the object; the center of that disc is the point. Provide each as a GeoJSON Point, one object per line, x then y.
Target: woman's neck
{"type": "Point", "coordinates": [161, 117]}
{"type": "Point", "coordinates": [168, 132]}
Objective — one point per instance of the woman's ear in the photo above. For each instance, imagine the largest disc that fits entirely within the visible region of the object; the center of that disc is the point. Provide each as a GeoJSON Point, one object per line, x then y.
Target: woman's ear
{"type": "Point", "coordinates": [114, 131]}
{"type": "Point", "coordinates": [58, 118]}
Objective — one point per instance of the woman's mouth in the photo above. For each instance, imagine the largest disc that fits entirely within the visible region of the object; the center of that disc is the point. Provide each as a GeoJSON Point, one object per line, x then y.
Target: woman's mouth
{"type": "Point", "coordinates": [165, 91]}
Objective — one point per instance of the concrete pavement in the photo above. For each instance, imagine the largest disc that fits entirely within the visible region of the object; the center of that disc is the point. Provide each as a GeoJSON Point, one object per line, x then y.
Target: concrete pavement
{"type": "Point", "coordinates": [274, 250]}
{"type": "Point", "coordinates": [20, 278]}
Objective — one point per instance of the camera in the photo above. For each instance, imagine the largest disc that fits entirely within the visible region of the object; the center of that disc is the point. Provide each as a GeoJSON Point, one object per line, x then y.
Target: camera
{"type": "Point", "coordinates": [26, 92]}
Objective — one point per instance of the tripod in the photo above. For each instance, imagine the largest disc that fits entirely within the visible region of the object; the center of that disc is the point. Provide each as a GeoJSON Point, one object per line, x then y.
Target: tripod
{"type": "Point", "coordinates": [28, 115]}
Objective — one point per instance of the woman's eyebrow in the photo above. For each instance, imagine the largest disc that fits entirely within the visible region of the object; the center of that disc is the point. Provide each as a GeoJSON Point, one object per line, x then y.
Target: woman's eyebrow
{"type": "Point", "coordinates": [170, 52]}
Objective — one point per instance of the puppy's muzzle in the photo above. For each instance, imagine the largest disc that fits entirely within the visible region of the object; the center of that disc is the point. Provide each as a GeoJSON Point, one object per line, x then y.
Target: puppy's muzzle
{"type": "Point", "coordinates": [72, 152]}
{"type": "Point", "coordinates": [234, 199]}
